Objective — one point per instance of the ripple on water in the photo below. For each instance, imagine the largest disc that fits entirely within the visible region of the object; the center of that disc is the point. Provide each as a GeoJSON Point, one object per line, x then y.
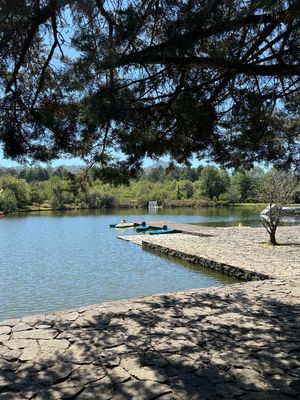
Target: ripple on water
{"type": "Point", "coordinates": [65, 260]}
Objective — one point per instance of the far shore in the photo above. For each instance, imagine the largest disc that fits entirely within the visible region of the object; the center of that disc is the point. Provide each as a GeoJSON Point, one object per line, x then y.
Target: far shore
{"type": "Point", "coordinates": [128, 206]}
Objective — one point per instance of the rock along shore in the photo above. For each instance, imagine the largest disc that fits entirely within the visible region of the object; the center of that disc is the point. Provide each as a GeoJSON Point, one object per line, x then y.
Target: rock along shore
{"type": "Point", "coordinates": [236, 342]}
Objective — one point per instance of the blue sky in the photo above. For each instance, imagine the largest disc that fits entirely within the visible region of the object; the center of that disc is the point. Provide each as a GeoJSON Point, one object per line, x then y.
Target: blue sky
{"type": "Point", "coordinates": [62, 161]}
{"type": "Point", "coordinates": [77, 161]}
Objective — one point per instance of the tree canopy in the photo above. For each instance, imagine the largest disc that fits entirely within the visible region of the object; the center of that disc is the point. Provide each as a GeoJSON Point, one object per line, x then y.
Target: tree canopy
{"type": "Point", "coordinates": [59, 188]}
{"type": "Point", "coordinates": [115, 81]}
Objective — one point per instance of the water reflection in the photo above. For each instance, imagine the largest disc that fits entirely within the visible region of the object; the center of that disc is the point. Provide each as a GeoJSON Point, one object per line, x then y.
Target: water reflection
{"type": "Point", "coordinates": [212, 216]}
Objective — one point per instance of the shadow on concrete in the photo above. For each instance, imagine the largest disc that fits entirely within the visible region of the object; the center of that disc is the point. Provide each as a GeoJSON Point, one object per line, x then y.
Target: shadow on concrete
{"type": "Point", "coordinates": [203, 345]}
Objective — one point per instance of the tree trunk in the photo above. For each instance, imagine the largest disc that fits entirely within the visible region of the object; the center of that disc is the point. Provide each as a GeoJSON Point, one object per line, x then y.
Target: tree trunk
{"type": "Point", "coordinates": [272, 237]}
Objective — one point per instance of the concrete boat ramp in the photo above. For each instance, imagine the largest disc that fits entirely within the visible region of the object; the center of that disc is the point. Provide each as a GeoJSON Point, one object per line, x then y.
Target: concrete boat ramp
{"type": "Point", "coordinates": [240, 341]}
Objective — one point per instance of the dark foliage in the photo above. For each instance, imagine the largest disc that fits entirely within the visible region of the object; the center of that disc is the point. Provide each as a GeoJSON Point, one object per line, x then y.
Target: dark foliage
{"type": "Point", "coordinates": [127, 80]}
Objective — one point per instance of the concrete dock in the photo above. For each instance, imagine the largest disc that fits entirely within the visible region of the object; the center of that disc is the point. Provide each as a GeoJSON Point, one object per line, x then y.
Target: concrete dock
{"type": "Point", "coordinates": [240, 341]}
{"type": "Point", "coordinates": [188, 229]}
{"type": "Point", "coordinates": [238, 251]}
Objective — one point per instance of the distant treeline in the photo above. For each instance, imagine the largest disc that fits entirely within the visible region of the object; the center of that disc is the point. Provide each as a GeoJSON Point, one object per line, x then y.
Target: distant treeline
{"type": "Point", "coordinates": [59, 188]}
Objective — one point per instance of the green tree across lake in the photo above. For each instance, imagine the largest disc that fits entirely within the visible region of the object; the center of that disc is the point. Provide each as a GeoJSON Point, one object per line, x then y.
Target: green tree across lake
{"type": "Point", "coordinates": [208, 186]}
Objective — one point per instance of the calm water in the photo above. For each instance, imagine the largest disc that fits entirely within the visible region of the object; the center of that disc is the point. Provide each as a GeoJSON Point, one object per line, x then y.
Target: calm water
{"type": "Point", "coordinates": [53, 261]}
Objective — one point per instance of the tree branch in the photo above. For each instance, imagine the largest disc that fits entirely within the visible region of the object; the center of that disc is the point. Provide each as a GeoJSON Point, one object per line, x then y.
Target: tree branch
{"type": "Point", "coordinates": [185, 40]}
{"type": "Point", "coordinates": [43, 72]}
{"type": "Point", "coordinates": [282, 35]}
{"type": "Point", "coordinates": [33, 26]}
{"type": "Point", "coordinates": [218, 63]}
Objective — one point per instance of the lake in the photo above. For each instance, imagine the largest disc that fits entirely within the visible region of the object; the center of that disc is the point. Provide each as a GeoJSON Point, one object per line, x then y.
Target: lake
{"type": "Point", "coordinates": [59, 260]}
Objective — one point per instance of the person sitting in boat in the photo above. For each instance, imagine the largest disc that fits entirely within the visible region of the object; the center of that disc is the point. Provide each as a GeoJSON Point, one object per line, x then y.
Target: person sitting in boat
{"type": "Point", "coordinates": [123, 220]}
{"type": "Point", "coordinates": [165, 227]}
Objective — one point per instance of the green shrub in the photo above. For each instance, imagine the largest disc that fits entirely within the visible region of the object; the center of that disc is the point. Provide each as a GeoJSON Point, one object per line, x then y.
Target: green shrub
{"type": "Point", "coordinates": [8, 200]}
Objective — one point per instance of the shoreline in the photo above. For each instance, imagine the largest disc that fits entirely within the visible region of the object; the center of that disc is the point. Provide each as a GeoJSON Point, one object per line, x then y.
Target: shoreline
{"type": "Point", "coordinates": [134, 207]}
{"type": "Point", "coordinates": [238, 341]}
{"type": "Point", "coordinates": [128, 207]}
{"type": "Point", "coordinates": [202, 343]}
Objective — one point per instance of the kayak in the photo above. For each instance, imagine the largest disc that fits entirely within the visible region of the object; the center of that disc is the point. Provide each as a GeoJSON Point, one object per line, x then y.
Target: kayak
{"type": "Point", "coordinates": [124, 225]}
{"type": "Point", "coordinates": [143, 227]}
{"type": "Point", "coordinates": [162, 231]}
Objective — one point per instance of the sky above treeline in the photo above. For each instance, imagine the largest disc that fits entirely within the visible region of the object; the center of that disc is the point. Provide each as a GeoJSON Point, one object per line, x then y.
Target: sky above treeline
{"type": "Point", "coordinates": [4, 162]}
